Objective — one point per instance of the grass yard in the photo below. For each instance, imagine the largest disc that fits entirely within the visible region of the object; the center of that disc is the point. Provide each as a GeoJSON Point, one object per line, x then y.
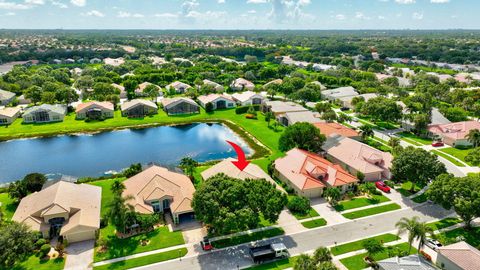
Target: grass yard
{"type": "Point", "coordinates": [314, 223]}
{"type": "Point", "coordinates": [358, 245]}
{"type": "Point", "coordinates": [34, 263]}
{"type": "Point", "coordinates": [311, 213]}
{"type": "Point", "coordinates": [372, 211]}
{"type": "Point", "coordinates": [414, 139]}
{"type": "Point", "coordinates": [458, 153]}
{"type": "Point", "coordinates": [198, 179]}
{"type": "Point", "coordinates": [471, 236]}
{"type": "Point", "coordinates": [236, 240]}
{"type": "Point", "coordinates": [378, 145]}
{"type": "Point", "coordinates": [444, 223]}
{"type": "Point", "coordinates": [360, 202]}
{"type": "Point", "coordinates": [107, 195]}
{"type": "Point", "coordinates": [276, 265]}
{"type": "Point", "coordinates": [146, 260]}
{"type": "Point", "coordinates": [447, 157]}
{"type": "Point", "coordinates": [405, 188]}
{"type": "Point", "coordinates": [8, 206]}
{"type": "Point", "coordinates": [356, 262]}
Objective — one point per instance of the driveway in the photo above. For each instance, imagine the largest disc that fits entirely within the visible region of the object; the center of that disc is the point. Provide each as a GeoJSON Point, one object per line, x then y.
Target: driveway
{"type": "Point", "coordinates": [327, 212]}
{"type": "Point", "coordinates": [79, 255]}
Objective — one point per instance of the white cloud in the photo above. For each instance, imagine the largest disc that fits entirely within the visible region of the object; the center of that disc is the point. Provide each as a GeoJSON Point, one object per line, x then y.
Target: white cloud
{"type": "Point", "coordinates": [124, 14]}
{"type": "Point", "coordinates": [78, 3]}
{"type": "Point", "coordinates": [439, 1]}
{"type": "Point", "coordinates": [221, 1]}
{"type": "Point", "coordinates": [380, 17]}
{"type": "Point", "coordinates": [94, 13]}
{"type": "Point", "coordinates": [252, 11]}
{"type": "Point", "coordinates": [10, 14]}
{"type": "Point", "coordinates": [417, 16]}
{"type": "Point", "coordinates": [340, 17]}
{"type": "Point", "coordinates": [406, 2]}
{"type": "Point", "coordinates": [361, 16]}
{"type": "Point", "coordinates": [58, 4]}
{"type": "Point", "coordinates": [257, 1]}
{"type": "Point", "coordinates": [35, 2]}
{"type": "Point", "coordinates": [13, 6]}
{"type": "Point", "coordinates": [166, 15]}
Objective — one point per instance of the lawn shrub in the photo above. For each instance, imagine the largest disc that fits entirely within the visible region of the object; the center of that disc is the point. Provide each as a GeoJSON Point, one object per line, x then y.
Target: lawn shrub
{"type": "Point", "coordinates": [298, 204]}
{"type": "Point", "coordinates": [44, 250]}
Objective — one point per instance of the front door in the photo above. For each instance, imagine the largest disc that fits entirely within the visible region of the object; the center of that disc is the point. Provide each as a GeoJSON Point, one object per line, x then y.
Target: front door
{"type": "Point", "coordinates": [166, 204]}
{"type": "Point", "coordinates": [221, 104]}
{"type": "Point", "coordinates": [156, 207]}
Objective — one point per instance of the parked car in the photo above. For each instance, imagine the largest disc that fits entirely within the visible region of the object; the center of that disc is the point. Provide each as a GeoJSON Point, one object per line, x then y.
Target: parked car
{"type": "Point", "coordinates": [268, 252]}
{"type": "Point", "coordinates": [438, 144]}
{"type": "Point", "coordinates": [433, 244]}
{"type": "Point", "coordinates": [206, 244]}
{"type": "Point", "coordinates": [382, 186]}
{"type": "Point", "coordinates": [343, 109]}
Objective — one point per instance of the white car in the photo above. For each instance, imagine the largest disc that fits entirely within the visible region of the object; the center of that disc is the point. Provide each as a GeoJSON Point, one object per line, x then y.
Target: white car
{"type": "Point", "coordinates": [433, 244]}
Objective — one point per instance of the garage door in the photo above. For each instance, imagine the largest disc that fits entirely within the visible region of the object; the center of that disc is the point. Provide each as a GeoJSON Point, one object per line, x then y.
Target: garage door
{"type": "Point", "coordinates": [186, 217]}
{"type": "Point", "coordinates": [80, 236]}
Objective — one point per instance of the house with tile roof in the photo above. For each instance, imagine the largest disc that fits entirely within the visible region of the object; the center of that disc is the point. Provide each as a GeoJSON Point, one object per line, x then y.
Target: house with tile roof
{"type": "Point", "coordinates": [216, 86]}
{"type": "Point", "coordinates": [242, 84]}
{"type": "Point", "coordinates": [411, 262]}
{"type": "Point", "coordinates": [334, 94]}
{"type": "Point", "coordinates": [309, 174]}
{"type": "Point", "coordinates": [45, 113]}
{"type": "Point", "coordinates": [219, 101]}
{"type": "Point", "coordinates": [333, 128]}
{"type": "Point", "coordinates": [62, 209]}
{"type": "Point", "coordinates": [6, 97]}
{"type": "Point", "coordinates": [347, 101]}
{"type": "Point", "coordinates": [178, 87]}
{"type": "Point", "coordinates": [458, 256]}
{"type": "Point", "coordinates": [121, 89]}
{"type": "Point", "coordinates": [180, 105]}
{"type": "Point", "coordinates": [138, 108]}
{"type": "Point", "coordinates": [9, 114]}
{"type": "Point", "coordinates": [94, 110]}
{"type": "Point", "coordinates": [139, 92]}
{"type": "Point", "coordinates": [158, 190]}
{"type": "Point", "coordinates": [356, 157]}
{"type": "Point", "coordinates": [248, 98]}
{"type": "Point", "coordinates": [454, 134]}
{"type": "Point", "coordinates": [291, 118]}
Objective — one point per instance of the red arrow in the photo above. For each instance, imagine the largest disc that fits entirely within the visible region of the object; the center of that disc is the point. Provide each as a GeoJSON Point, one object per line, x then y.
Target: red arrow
{"type": "Point", "coordinates": [242, 162]}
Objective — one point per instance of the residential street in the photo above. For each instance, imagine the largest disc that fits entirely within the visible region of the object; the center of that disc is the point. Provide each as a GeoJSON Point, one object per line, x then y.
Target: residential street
{"type": "Point", "coordinates": [237, 257]}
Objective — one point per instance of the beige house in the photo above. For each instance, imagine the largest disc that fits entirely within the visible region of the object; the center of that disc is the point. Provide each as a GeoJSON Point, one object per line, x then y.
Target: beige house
{"type": "Point", "coordinates": [45, 113]}
{"type": "Point", "coordinates": [95, 110]}
{"type": "Point", "coordinates": [309, 174]}
{"type": "Point", "coordinates": [178, 87]}
{"type": "Point", "coordinates": [122, 93]}
{"type": "Point", "coordinates": [242, 84]}
{"type": "Point", "coordinates": [355, 157]}
{"type": "Point", "coordinates": [278, 107]}
{"type": "Point", "coordinates": [158, 190]}
{"type": "Point", "coordinates": [63, 209]}
{"type": "Point", "coordinates": [291, 118]}
{"type": "Point", "coordinates": [9, 114]}
{"type": "Point", "coordinates": [218, 101]}
{"type": "Point", "coordinates": [216, 86]}
{"type": "Point", "coordinates": [458, 256]}
{"type": "Point", "coordinates": [138, 108]}
{"type": "Point", "coordinates": [248, 98]}
{"type": "Point", "coordinates": [141, 87]}
{"type": "Point", "coordinates": [180, 105]}
{"type": "Point", "coordinates": [274, 82]}
{"type": "Point", "coordinates": [6, 97]}
{"type": "Point", "coordinates": [347, 101]}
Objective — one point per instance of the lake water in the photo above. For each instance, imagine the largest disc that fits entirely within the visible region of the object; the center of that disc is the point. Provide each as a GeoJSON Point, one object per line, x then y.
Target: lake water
{"type": "Point", "coordinates": [93, 155]}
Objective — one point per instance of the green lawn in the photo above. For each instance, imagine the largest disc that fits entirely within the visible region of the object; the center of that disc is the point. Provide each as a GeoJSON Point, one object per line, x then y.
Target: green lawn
{"type": "Point", "coordinates": [357, 263]}
{"type": "Point", "coordinates": [406, 187]}
{"type": "Point", "coordinates": [414, 139]}
{"type": "Point", "coordinates": [372, 211]}
{"type": "Point", "coordinates": [358, 245]}
{"type": "Point", "coordinates": [447, 157]}
{"type": "Point", "coordinates": [378, 145]}
{"type": "Point", "coordinates": [8, 206]}
{"type": "Point", "coordinates": [458, 153]}
{"type": "Point", "coordinates": [311, 213]}
{"type": "Point", "coordinates": [146, 260]}
{"type": "Point", "coordinates": [444, 223]}
{"type": "Point", "coordinates": [107, 195]}
{"type": "Point", "coordinates": [314, 223]}
{"type": "Point", "coordinates": [360, 202]}
{"type": "Point", "coordinates": [275, 265]}
{"type": "Point", "coordinates": [34, 263]}
{"type": "Point", "coordinates": [471, 236]}
{"type": "Point", "coordinates": [248, 238]}
{"type": "Point", "coordinates": [198, 179]}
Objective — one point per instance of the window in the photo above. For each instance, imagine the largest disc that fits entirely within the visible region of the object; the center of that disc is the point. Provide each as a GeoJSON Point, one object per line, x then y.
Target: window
{"type": "Point", "coordinates": [3, 120]}
{"type": "Point", "coordinates": [156, 207]}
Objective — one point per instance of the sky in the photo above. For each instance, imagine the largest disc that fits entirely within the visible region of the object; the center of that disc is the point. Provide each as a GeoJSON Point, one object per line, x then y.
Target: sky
{"type": "Point", "coordinates": [239, 14]}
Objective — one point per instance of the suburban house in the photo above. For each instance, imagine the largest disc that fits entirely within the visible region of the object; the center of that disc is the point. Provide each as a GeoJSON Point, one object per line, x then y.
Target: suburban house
{"type": "Point", "coordinates": [180, 105]}
{"type": "Point", "coordinates": [411, 262]}
{"type": "Point", "coordinates": [437, 118]}
{"type": "Point", "coordinates": [454, 134]}
{"type": "Point", "coordinates": [337, 93]}
{"type": "Point", "coordinates": [458, 256]}
{"type": "Point", "coordinates": [241, 84]}
{"type": "Point", "coordinates": [226, 167]}
{"type": "Point", "coordinates": [290, 118]}
{"type": "Point", "coordinates": [158, 190]}
{"type": "Point", "coordinates": [6, 97]}
{"type": "Point", "coordinates": [95, 110]}
{"type": "Point", "coordinates": [356, 157]}
{"type": "Point", "coordinates": [9, 114]}
{"type": "Point", "coordinates": [95, 60]}
{"type": "Point", "coordinates": [114, 61]}
{"type": "Point", "coordinates": [63, 209]}
{"type": "Point", "coordinates": [45, 113]}
{"type": "Point", "coordinates": [216, 86]}
{"type": "Point", "coordinates": [248, 98]}
{"type": "Point", "coordinates": [22, 100]}
{"type": "Point", "coordinates": [331, 129]}
{"type": "Point", "coordinates": [123, 93]}
{"type": "Point", "coordinates": [178, 87]}
{"type": "Point", "coordinates": [319, 84]}
{"type": "Point", "coordinates": [219, 101]}
{"type": "Point", "coordinates": [274, 82]}
{"type": "Point", "coordinates": [309, 174]}
{"type": "Point", "coordinates": [281, 107]}
{"type": "Point", "coordinates": [138, 108]}
{"type": "Point", "coordinates": [347, 101]}
{"type": "Point", "coordinates": [141, 87]}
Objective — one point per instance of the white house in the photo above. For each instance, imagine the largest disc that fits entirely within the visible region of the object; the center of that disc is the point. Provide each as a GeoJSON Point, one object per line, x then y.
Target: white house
{"type": "Point", "coordinates": [248, 98]}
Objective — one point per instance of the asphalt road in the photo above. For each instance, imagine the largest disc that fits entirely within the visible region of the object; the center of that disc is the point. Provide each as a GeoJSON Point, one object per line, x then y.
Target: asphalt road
{"type": "Point", "coordinates": [237, 257]}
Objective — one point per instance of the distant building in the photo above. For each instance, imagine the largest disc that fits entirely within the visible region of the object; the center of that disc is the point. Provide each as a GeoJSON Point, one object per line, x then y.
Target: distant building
{"type": "Point", "coordinates": [242, 84]}
{"type": "Point", "coordinates": [222, 101]}
{"type": "Point", "coordinates": [277, 82]}
{"type": "Point", "coordinates": [347, 101]}
{"type": "Point", "coordinates": [291, 118]}
{"type": "Point", "coordinates": [454, 134]}
{"type": "Point", "coordinates": [216, 86]}
{"type": "Point", "coordinates": [95, 61]}
{"type": "Point", "coordinates": [178, 87]}
{"type": "Point", "coordinates": [69, 61]}
{"type": "Point", "coordinates": [458, 256]}
{"type": "Point", "coordinates": [8, 115]}
{"type": "Point", "coordinates": [332, 129]}
{"type": "Point", "coordinates": [114, 61]}
{"type": "Point", "coordinates": [281, 107]}
{"type": "Point", "coordinates": [123, 93]}
{"type": "Point", "coordinates": [95, 110]}
{"type": "Point", "coordinates": [45, 113]}
{"type": "Point", "coordinates": [141, 87]}
{"type": "Point", "coordinates": [180, 105]}
{"type": "Point", "coordinates": [6, 97]}
{"type": "Point", "coordinates": [248, 98]}
{"type": "Point", "coordinates": [340, 92]}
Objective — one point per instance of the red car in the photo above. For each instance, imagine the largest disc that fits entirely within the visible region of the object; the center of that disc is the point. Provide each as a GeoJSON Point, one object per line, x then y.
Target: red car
{"type": "Point", "coordinates": [206, 244]}
{"type": "Point", "coordinates": [382, 186]}
{"type": "Point", "coordinates": [437, 144]}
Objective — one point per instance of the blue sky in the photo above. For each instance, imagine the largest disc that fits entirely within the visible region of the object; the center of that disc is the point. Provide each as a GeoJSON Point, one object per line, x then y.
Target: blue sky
{"type": "Point", "coordinates": [240, 14]}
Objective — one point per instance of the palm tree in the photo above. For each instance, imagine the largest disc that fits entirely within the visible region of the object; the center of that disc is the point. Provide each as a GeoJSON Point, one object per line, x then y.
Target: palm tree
{"type": "Point", "coordinates": [188, 164]}
{"type": "Point", "coordinates": [422, 231]}
{"type": "Point", "coordinates": [473, 136]}
{"type": "Point", "coordinates": [373, 247]}
{"type": "Point", "coordinates": [394, 142]}
{"type": "Point", "coordinates": [117, 187]}
{"type": "Point", "coordinates": [303, 262]}
{"type": "Point", "coordinates": [366, 131]}
{"type": "Point", "coordinates": [410, 226]}
{"type": "Point", "coordinates": [322, 254]}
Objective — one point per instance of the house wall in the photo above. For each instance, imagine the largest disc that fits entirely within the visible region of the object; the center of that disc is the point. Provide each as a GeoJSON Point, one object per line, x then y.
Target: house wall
{"type": "Point", "coordinates": [183, 108]}
{"type": "Point", "coordinates": [376, 176]}
{"type": "Point", "coordinates": [5, 120]}
{"type": "Point", "coordinates": [311, 193]}
{"type": "Point", "coordinates": [139, 110]}
{"type": "Point", "coordinates": [54, 117]}
{"type": "Point", "coordinates": [80, 236]}
{"type": "Point", "coordinates": [445, 263]}
{"type": "Point", "coordinates": [6, 101]}
{"type": "Point", "coordinates": [83, 114]}
{"type": "Point", "coordinates": [60, 215]}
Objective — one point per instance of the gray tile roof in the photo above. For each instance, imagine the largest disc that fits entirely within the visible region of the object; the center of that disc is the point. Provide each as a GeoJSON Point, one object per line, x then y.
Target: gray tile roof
{"type": "Point", "coordinates": [412, 262]}
{"type": "Point", "coordinates": [58, 108]}
{"type": "Point", "coordinates": [6, 95]}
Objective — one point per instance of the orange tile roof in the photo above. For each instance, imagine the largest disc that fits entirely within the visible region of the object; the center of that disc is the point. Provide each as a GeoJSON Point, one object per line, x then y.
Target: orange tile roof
{"type": "Point", "coordinates": [335, 128]}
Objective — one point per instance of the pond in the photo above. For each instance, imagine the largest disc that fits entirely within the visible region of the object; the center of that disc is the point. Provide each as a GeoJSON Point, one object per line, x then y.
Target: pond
{"type": "Point", "coordinates": [94, 155]}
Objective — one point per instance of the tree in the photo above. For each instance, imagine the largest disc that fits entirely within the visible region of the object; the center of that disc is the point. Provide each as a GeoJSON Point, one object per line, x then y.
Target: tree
{"type": "Point", "coordinates": [394, 142]}
{"type": "Point", "coordinates": [382, 109]}
{"type": "Point", "coordinates": [302, 135]}
{"type": "Point", "coordinates": [366, 131]}
{"type": "Point", "coordinates": [416, 231]}
{"type": "Point", "coordinates": [228, 205]}
{"type": "Point", "coordinates": [420, 122]}
{"type": "Point", "coordinates": [372, 246]}
{"type": "Point", "coordinates": [416, 165]}
{"type": "Point", "coordinates": [473, 156]}
{"type": "Point", "coordinates": [461, 194]}
{"type": "Point", "coordinates": [321, 260]}
{"type": "Point", "coordinates": [322, 254]}
{"type": "Point", "coordinates": [133, 170]}
{"type": "Point", "coordinates": [16, 244]}
{"type": "Point", "coordinates": [34, 93]}
{"type": "Point", "coordinates": [298, 204]}
{"type": "Point", "coordinates": [268, 117]}
{"type": "Point", "coordinates": [188, 164]}
{"type": "Point", "coordinates": [473, 137]}
{"type": "Point", "coordinates": [119, 209]}
{"type": "Point", "coordinates": [333, 195]}
{"type": "Point", "coordinates": [30, 183]}
{"type": "Point", "coordinates": [329, 116]}
{"type": "Point", "coordinates": [304, 262]}
{"type": "Point", "coordinates": [209, 107]}
{"type": "Point", "coordinates": [151, 91]}
{"type": "Point", "coordinates": [322, 107]}
{"type": "Point", "coordinates": [48, 97]}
